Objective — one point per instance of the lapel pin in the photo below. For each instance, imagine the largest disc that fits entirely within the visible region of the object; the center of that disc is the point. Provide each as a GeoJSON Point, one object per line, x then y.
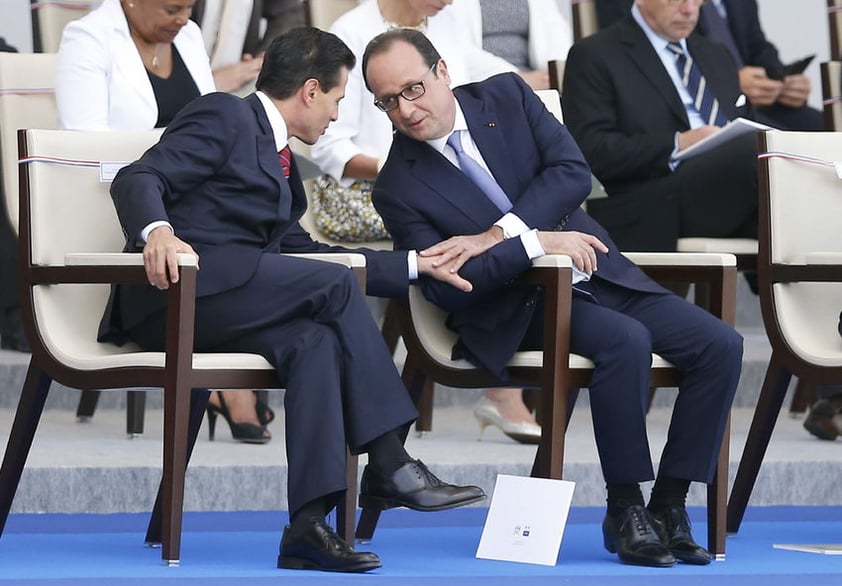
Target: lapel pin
{"type": "Point", "coordinates": [492, 124]}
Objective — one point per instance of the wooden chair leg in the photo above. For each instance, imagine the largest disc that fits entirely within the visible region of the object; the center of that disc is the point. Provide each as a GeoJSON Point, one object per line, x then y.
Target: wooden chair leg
{"type": "Point", "coordinates": [87, 405]}
{"type": "Point", "coordinates": [805, 395]}
{"type": "Point", "coordinates": [718, 498]}
{"type": "Point", "coordinates": [765, 415]}
{"type": "Point", "coordinates": [28, 414]}
{"type": "Point", "coordinates": [417, 383]}
{"type": "Point", "coordinates": [198, 403]}
{"type": "Point", "coordinates": [135, 412]}
{"type": "Point", "coordinates": [391, 326]}
{"type": "Point", "coordinates": [346, 517]}
{"type": "Point", "coordinates": [425, 407]}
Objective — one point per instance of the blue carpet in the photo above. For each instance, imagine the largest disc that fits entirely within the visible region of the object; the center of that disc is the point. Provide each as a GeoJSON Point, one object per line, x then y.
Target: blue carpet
{"type": "Point", "coordinates": [416, 548]}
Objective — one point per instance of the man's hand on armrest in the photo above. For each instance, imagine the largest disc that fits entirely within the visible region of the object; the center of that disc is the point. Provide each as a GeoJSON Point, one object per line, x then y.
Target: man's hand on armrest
{"type": "Point", "coordinates": [579, 246]}
{"type": "Point", "coordinates": [457, 250]}
{"type": "Point", "coordinates": [160, 256]}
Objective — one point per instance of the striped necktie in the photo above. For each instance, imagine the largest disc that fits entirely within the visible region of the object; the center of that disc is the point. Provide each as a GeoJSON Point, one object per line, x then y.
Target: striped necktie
{"type": "Point", "coordinates": [285, 155]}
{"type": "Point", "coordinates": [479, 176]}
{"type": "Point", "coordinates": [703, 99]}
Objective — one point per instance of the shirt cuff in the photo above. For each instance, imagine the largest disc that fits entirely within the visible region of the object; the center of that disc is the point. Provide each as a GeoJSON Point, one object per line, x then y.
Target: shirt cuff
{"type": "Point", "coordinates": [511, 225]}
{"type": "Point", "coordinates": [412, 265]}
{"type": "Point", "coordinates": [144, 234]}
{"type": "Point", "coordinates": [531, 244]}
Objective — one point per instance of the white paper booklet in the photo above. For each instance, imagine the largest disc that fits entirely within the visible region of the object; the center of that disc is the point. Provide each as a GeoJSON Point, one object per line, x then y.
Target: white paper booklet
{"type": "Point", "coordinates": [526, 520]}
{"type": "Point", "coordinates": [731, 130]}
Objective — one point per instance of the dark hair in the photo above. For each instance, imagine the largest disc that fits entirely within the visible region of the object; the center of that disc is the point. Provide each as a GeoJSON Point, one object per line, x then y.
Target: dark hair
{"type": "Point", "coordinates": [300, 54]}
{"type": "Point", "coordinates": [384, 41]}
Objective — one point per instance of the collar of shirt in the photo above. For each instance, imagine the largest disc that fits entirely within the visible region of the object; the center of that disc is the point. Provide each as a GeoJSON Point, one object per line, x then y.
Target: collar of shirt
{"type": "Point", "coordinates": [276, 121]}
{"type": "Point", "coordinates": [458, 124]}
{"type": "Point", "coordinates": [468, 144]}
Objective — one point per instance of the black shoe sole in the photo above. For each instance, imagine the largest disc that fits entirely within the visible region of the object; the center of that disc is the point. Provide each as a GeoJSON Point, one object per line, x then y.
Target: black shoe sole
{"type": "Point", "coordinates": [383, 503]}
{"type": "Point", "coordinates": [294, 563]}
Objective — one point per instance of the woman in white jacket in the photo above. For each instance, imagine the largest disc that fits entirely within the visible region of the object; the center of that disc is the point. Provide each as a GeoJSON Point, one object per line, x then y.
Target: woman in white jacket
{"type": "Point", "coordinates": [132, 64]}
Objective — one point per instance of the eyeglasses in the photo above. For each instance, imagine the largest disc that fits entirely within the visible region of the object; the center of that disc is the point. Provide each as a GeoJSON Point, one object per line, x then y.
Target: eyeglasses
{"type": "Point", "coordinates": [410, 93]}
{"type": "Point", "coordinates": [677, 2]}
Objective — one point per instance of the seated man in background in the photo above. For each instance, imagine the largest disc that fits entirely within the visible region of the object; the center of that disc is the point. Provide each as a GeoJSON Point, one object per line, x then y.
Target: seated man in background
{"type": "Point", "coordinates": [780, 100]}
{"type": "Point", "coordinates": [627, 103]}
{"type": "Point", "coordinates": [221, 184]}
{"type": "Point", "coordinates": [489, 169]}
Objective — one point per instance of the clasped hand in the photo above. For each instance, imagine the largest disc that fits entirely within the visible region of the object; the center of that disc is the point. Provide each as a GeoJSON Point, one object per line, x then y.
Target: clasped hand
{"type": "Point", "coordinates": [160, 257]}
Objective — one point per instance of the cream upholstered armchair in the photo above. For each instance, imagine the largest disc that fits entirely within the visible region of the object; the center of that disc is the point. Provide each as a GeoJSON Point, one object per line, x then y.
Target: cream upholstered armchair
{"type": "Point", "coordinates": [800, 280]}
{"type": "Point", "coordinates": [49, 17]}
{"type": "Point", "coordinates": [70, 243]}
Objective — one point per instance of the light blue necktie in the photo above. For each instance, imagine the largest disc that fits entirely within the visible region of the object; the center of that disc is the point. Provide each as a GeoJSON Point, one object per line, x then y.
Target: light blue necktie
{"type": "Point", "coordinates": [703, 99]}
{"type": "Point", "coordinates": [478, 175]}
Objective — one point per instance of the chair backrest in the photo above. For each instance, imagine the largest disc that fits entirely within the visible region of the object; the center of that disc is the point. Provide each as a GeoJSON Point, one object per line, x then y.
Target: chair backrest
{"type": "Point", "coordinates": [831, 72]}
{"type": "Point", "coordinates": [555, 68]}
{"type": "Point", "coordinates": [585, 21]}
{"type": "Point", "coordinates": [49, 17]}
{"type": "Point", "coordinates": [69, 210]}
{"type": "Point", "coordinates": [225, 25]}
{"type": "Point", "coordinates": [801, 203]}
{"type": "Point", "coordinates": [324, 12]}
{"type": "Point", "coordinates": [834, 20]}
{"type": "Point", "coordinates": [27, 100]}
{"type": "Point", "coordinates": [552, 100]}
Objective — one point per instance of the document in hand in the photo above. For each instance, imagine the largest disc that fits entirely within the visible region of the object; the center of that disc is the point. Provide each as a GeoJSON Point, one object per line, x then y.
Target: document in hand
{"type": "Point", "coordinates": [733, 129]}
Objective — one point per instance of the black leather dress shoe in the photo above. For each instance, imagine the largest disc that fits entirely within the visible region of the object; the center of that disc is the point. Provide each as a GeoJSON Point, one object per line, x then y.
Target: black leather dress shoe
{"type": "Point", "coordinates": [673, 526]}
{"type": "Point", "coordinates": [316, 546]}
{"type": "Point", "coordinates": [633, 538]}
{"type": "Point", "coordinates": [415, 487]}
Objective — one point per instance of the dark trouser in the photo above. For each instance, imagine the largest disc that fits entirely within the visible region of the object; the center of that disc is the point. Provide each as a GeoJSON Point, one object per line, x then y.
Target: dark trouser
{"type": "Point", "coordinates": [311, 321]}
{"type": "Point", "coordinates": [619, 332]}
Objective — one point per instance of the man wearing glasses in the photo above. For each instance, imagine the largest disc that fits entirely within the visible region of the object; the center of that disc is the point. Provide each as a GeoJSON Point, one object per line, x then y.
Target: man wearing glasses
{"type": "Point", "coordinates": [487, 177]}
{"type": "Point", "coordinates": [634, 95]}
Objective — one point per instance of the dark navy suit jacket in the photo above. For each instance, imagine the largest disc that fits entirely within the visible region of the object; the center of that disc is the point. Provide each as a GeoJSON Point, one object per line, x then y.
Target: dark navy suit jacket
{"type": "Point", "coordinates": [424, 199]}
{"type": "Point", "coordinates": [216, 177]}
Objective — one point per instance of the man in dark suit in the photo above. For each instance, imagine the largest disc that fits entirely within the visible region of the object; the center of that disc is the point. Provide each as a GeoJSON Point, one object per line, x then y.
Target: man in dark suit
{"type": "Point", "coordinates": [215, 186]}
{"type": "Point", "coordinates": [630, 111]}
{"type": "Point", "coordinates": [535, 181]}
{"type": "Point", "coordinates": [780, 100]}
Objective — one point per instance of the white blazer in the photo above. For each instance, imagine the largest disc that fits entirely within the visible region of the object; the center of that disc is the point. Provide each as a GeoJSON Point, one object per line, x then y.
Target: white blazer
{"type": "Point", "coordinates": [101, 82]}
{"type": "Point", "coordinates": [550, 34]}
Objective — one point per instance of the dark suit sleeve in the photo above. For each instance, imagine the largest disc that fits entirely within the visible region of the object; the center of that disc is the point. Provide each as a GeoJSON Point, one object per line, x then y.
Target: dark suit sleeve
{"type": "Point", "coordinates": [598, 92]}
{"type": "Point", "coordinates": [192, 148]}
{"type": "Point", "coordinates": [387, 271]}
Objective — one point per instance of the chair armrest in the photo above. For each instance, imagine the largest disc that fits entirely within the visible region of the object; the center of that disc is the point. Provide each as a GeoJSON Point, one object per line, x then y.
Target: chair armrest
{"type": "Point", "coordinates": [349, 259]}
{"type": "Point", "coordinates": [682, 259]}
{"type": "Point", "coordinates": [558, 261]}
{"type": "Point", "coordinates": [119, 259]}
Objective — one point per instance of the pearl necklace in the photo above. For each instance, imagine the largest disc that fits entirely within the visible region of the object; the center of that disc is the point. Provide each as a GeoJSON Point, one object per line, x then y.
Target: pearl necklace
{"type": "Point", "coordinates": [420, 27]}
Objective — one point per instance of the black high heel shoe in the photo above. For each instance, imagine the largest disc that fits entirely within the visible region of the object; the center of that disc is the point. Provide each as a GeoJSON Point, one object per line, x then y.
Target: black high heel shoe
{"type": "Point", "coordinates": [248, 433]}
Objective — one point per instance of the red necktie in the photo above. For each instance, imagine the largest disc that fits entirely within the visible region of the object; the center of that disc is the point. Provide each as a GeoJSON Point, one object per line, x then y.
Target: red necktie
{"type": "Point", "coordinates": [285, 156]}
